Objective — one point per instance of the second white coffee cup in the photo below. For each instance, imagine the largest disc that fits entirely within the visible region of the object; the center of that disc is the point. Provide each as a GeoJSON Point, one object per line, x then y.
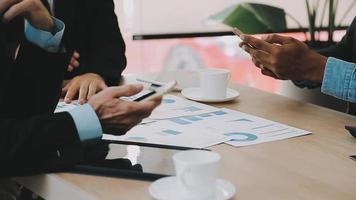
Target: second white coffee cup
{"type": "Point", "coordinates": [214, 82]}
{"type": "Point", "coordinates": [197, 171]}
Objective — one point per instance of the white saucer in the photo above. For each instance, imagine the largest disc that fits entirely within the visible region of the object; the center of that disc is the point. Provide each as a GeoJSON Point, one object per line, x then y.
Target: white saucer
{"type": "Point", "coordinates": [166, 189]}
{"type": "Point", "coordinates": [195, 95]}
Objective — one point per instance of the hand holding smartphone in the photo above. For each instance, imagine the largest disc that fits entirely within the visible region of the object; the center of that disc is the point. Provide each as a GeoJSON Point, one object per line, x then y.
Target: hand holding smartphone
{"type": "Point", "coordinates": [238, 33]}
{"type": "Point", "coordinates": [152, 92]}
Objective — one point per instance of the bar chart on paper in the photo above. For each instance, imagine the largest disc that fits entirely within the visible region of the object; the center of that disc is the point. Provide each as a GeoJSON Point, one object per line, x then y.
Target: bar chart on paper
{"type": "Point", "coordinates": [211, 128]}
{"type": "Point", "coordinates": [173, 106]}
{"type": "Point", "coordinates": [250, 130]}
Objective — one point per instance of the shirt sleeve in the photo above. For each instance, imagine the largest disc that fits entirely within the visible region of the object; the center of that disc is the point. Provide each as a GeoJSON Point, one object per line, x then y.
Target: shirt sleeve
{"type": "Point", "coordinates": [87, 123]}
{"type": "Point", "coordinates": [340, 80]}
{"type": "Point", "coordinates": [44, 39]}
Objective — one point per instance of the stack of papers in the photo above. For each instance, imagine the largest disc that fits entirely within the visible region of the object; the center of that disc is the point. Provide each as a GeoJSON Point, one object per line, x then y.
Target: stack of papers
{"type": "Point", "coordinates": [181, 122]}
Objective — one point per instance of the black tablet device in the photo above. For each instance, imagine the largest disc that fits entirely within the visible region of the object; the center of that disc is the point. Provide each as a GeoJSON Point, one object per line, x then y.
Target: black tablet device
{"type": "Point", "coordinates": [129, 160]}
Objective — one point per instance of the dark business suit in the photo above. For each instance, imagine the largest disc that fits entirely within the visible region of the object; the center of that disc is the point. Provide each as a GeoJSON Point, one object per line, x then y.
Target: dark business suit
{"type": "Point", "coordinates": [92, 29]}
{"type": "Point", "coordinates": [31, 136]}
{"type": "Point", "coordinates": [346, 48]}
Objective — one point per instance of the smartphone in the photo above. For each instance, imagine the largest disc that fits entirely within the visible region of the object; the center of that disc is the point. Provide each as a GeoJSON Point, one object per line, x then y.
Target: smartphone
{"type": "Point", "coordinates": [353, 157]}
{"type": "Point", "coordinates": [152, 92]}
{"type": "Point", "coordinates": [352, 130]}
{"type": "Point", "coordinates": [238, 33]}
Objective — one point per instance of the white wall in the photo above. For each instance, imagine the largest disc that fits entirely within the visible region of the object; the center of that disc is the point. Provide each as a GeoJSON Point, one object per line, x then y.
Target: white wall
{"type": "Point", "coordinates": [182, 16]}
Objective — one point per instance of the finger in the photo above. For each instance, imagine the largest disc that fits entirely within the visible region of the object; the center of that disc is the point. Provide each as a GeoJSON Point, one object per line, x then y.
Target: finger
{"type": "Point", "coordinates": [257, 64]}
{"type": "Point", "coordinates": [148, 106]}
{"type": "Point", "coordinates": [64, 90]}
{"type": "Point", "coordinates": [262, 57]}
{"type": "Point", "coordinates": [92, 90]}
{"type": "Point", "coordinates": [72, 91]}
{"type": "Point", "coordinates": [257, 43]}
{"type": "Point", "coordinates": [83, 93]}
{"type": "Point", "coordinates": [102, 86]}
{"type": "Point", "coordinates": [5, 4]}
{"type": "Point", "coordinates": [16, 10]}
{"type": "Point", "coordinates": [267, 72]}
{"type": "Point", "coordinates": [76, 55]}
{"type": "Point", "coordinates": [70, 68]}
{"type": "Point", "coordinates": [74, 62]}
{"type": "Point", "coordinates": [125, 91]}
{"type": "Point", "coordinates": [246, 48]}
{"type": "Point", "coordinates": [277, 39]}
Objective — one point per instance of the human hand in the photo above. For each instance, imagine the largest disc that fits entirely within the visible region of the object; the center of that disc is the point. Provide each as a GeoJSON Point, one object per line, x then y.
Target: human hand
{"type": "Point", "coordinates": [74, 61]}
{"type": "Point", "coordinates": [86, 85]}
{"type": "Point", "coordinates": [32, 10]}
{"type": "Point", "coordinates": [117, 116]}
{"type": "Point", "coordinates": [285, 58]}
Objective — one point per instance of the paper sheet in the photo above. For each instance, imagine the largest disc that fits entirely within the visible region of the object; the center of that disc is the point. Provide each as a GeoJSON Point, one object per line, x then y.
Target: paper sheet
{"type": "Point", "coordinates": [181, 122]}
{"type": "Point", "coordinates": [244, 129]}
{"type": "Point", "coordinates": [64, 107]}
{"type": "Point", "coordinates": [207, 129]}
{"type": "Point", "coordinates": [186, 131]}
{"type": "Point", "coordinates": [173, 106]}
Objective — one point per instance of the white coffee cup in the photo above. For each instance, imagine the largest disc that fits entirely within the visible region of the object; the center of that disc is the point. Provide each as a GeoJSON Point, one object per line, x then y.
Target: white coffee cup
{"type": "Point", "coordinates": [197, 171]}
{"type": "Point", "coordinates": [214, 82]}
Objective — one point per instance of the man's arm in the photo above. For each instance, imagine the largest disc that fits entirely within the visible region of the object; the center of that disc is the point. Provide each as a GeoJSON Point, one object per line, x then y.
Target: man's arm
{"type": "Point", "coordinates": [342, 50]}
{"type": "Point", "coordinates": [340, 80]}
{"type": "Point", "coordinates": [106, 53]}
{"type": "Point", "coordinates": [32, 139]}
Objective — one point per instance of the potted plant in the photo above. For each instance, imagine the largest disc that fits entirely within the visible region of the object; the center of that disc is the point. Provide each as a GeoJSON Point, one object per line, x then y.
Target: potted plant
{"type": "Point", "coordinates": [255, 18]}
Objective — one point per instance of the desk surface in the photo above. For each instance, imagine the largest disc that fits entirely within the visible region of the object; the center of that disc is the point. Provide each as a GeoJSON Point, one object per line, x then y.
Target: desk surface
{"type": "Point", "coordinates": [310, 167]}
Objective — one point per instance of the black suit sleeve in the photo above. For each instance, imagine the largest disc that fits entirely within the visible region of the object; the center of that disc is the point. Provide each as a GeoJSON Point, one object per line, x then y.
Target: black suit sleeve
{"type": "Point", "coordinates": [344, 49]}
{"type": "Point", "coordinates": [30, 134]}
{"type": "Point", "coordinates": [106, 53]}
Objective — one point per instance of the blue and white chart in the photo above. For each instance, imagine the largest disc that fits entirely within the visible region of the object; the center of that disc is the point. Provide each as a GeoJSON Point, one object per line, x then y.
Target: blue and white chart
{"type": "Point", "coordinates": [203, 130]}
{"type": "Point", "coordinates": [185, 123]}
{"type": "Point", "coordinates": [173, 106]}
{"type": "Point", "coordinates": [244, 129]}
{"type": "Point", "coordinates": [195, 131]}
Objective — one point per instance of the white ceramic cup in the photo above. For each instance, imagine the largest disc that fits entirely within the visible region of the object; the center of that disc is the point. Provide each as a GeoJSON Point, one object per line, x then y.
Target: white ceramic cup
{"type": "Point", "coordinates": [197, 171]}
{"type": "Point", "coordinates": [214, 82]}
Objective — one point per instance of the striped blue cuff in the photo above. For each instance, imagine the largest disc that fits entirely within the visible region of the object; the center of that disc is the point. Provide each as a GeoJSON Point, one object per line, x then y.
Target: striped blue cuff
{"type": "Point", "coordinates": [46, 40]}
{"type": "Point", "coordinates": [87, 123]}
{"type": "Point", "coordinates": [340, 79]}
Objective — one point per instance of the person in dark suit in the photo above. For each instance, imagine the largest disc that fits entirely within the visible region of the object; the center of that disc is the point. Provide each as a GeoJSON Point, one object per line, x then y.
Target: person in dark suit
{"type": "Point", "coordinates": [93, 35]}
{"type": "Point", "coordinates": [32, 138]}
{"type": "Point", "coordinates": [289, 59]}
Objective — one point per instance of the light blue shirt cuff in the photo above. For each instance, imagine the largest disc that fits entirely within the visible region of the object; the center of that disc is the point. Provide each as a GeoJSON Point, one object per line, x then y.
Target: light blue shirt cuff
{"type": "Point", "coordinates": [340, 79]}
{"type": "Point", "coordinates": [44, 39]}
{"type": "Point", "coordinates": [87, 123]}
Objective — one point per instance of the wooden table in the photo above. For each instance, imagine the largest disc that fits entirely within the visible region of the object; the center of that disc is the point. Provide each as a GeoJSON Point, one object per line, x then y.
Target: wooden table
{"type": "Point", "coordinates": [311, 167]}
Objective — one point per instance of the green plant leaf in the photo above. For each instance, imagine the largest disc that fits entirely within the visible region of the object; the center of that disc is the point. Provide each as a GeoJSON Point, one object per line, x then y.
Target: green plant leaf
{"type": "Point", "coordinates": [254, 18]}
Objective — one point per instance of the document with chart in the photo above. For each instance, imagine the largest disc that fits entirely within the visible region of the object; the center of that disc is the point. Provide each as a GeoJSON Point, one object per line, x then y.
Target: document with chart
{"type": "Point", "coordinates": [244, 129]}
{"type": "Point", "coordinates": [207, 129]}
{"type": "Point", "coordinates": [195, 131]}
{"type": "Point", "coordinates": [181, 122]}
{"type": "Point", "coordinates": [173, 106]}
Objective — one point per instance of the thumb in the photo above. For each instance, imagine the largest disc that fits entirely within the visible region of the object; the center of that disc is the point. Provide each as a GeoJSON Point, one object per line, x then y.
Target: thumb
{"type": "Point", "coordinates": [277, 39]}
{"type": "Point", "coordinates": [125, 91]}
